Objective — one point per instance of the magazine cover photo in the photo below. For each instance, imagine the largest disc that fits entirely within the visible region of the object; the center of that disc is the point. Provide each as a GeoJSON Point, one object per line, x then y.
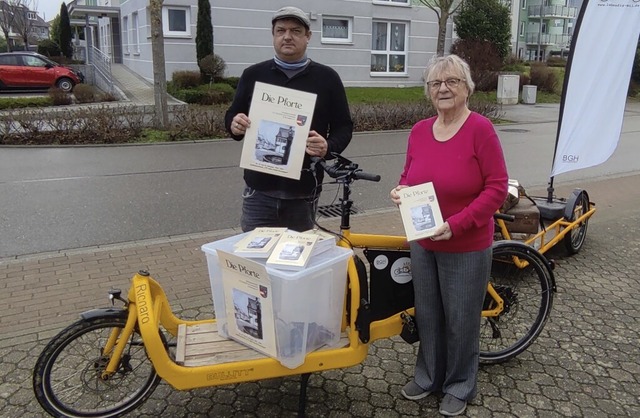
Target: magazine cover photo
{"type": "Point", "coordinates": [273, 145]}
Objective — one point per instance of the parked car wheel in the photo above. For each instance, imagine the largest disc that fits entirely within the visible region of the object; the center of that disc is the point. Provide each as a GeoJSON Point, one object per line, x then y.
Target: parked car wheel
{"type": "Point", "coordinates": [65, 84]}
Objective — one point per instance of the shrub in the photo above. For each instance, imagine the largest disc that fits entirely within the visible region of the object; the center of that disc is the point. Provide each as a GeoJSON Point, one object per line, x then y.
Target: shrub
{"type": "Point", "coordinates": [232, 81]}
{"type": "Point", "coordinates": [634, 89]}
{"type": "Point", "coordinates": [543, 77]}
{"type": "Point", "coordinates": [556, 62]}
{"type": "Point", "coordinates": [213, 66]}
{"type": "Point", "coordinates": [206, 97]}
{"type": "Point", "coordinates": [85, 93]}
{"type": "Point", "coordinates": [90, 125]}
{"type": "Point", "coordinates": [122, 124]}
{"type": "Point", "coordinates": [60, 59]}
{"type": "Point", "coordinates": [197, 122]}
{"type": "Point", "coordinates": [206, 94]}
{"type": "Point", "coordinates": [49, 48]}
{"type": "Point", "coordinates": [108, 97]}
{"type": "Point", "coordinates": [186, 79]}
{"type": "Point", "coordinates": [483, 59]}
{"type": "Point", "coordinates": [59, 97]}
{"type": "Point", "coordinates": [514, 64]}
{"type": "Point", "coordinates": [395, 115]}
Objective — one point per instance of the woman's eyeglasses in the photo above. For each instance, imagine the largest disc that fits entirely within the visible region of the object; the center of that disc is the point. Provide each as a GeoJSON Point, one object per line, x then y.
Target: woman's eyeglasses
{"type": "Point", "coordinates": [449, 82]}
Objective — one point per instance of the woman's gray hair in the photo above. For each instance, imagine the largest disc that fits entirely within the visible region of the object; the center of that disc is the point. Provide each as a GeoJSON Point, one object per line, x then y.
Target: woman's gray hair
{"type": "Point", "coordinates": [439, 64]}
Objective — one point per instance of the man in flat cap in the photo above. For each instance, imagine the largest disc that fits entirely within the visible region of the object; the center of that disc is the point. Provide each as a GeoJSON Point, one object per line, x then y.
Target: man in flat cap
{"type": "Point", "coordinates": [270, 200]}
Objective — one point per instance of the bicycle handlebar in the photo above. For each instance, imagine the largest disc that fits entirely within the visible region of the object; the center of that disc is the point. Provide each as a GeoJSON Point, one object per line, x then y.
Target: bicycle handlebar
{"type": "Point", "coordinates": [343, 168]}
{"type": "Point", "coordinates": [504, 217]}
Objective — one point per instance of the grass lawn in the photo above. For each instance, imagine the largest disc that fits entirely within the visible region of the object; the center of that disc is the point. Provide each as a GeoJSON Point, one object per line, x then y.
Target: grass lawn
{"type": "Point", "coordinates": [364, 95]}
{"type": "Point", "coordinates": [367, 95]}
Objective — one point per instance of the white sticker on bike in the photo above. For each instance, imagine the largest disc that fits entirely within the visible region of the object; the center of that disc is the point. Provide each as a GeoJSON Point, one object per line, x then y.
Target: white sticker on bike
{"type": "Point", "coordinates": [401, 270]}
{"type": "Point", "coordinates": [381, 262]}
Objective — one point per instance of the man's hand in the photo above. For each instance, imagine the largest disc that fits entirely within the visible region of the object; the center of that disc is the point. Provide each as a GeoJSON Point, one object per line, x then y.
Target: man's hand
{"type": "Point", "coordinates": [239, 124]}
{"type": "Point", "coordinates": [316, 145]}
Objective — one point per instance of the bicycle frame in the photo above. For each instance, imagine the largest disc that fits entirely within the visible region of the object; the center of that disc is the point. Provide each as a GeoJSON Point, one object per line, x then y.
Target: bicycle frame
{"type": "Point", "coordinates": [147, 312]}
{"type": "Point", "coordinates": [149, 307]}
{"type": "Point", "coordinates": [558, 229]}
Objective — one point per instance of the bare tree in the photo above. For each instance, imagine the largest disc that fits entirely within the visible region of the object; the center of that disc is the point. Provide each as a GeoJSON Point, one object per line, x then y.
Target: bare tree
{"type": "Point", "coordinates": [24, 19]}
{"type": "Point", "coordinates": [159, 70]}
{"type": "Point", "coordinates": [7, 17]}
{"type": "Point", "coordinates": [443, 10]}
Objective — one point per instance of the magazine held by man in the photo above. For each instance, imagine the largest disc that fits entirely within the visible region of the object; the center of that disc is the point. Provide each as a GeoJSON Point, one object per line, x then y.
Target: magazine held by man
{"type": "Point", "coordinates": [276, 140]}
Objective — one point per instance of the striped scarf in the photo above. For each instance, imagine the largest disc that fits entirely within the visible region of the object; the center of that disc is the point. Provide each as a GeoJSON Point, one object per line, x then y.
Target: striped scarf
{"type": "Point", "coordinates": [298, 65]}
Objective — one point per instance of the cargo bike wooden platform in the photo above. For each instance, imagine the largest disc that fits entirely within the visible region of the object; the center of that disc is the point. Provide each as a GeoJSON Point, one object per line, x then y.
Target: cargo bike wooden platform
{"type": "Point", "coordinates": [110, 361]}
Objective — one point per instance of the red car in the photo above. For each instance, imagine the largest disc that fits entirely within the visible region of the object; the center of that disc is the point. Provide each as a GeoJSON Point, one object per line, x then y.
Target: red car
{"type": "Point", "coordinates": [29, 70]}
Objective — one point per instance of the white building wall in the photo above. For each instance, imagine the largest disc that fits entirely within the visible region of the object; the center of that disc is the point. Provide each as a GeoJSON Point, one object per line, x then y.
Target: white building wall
{"type": "Point", "coordinates": [180, 50]}
{"type": "Point", "coordinates": [242, 37]}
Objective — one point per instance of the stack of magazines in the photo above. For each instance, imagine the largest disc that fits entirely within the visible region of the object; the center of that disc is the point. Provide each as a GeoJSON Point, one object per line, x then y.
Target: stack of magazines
{"type": "Point", "coordinates": [284, 248]}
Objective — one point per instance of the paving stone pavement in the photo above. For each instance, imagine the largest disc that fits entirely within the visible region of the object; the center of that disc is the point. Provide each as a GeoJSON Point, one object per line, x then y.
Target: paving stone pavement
{"type": "Point", "coordinates": [586, 363]}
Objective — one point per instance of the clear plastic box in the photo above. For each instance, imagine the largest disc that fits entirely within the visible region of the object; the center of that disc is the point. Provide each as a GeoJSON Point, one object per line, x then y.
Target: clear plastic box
{"type": "Point", "coordinates": [307, 304]}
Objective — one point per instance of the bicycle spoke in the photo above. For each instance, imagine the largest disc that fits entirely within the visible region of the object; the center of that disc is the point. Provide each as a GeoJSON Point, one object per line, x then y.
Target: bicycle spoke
{"type": "Point", "coordinates": [71, 369]}
{"type": "Point", "coordinates": [527, 297]}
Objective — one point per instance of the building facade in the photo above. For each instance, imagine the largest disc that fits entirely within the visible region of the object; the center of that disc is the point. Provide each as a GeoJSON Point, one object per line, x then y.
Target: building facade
{"type": "Point", "coordinates": [368, 42]}
{"type": "Point", "coordinates": [541, 28]}
{"type": "Point", "coordinates": [25, 28]}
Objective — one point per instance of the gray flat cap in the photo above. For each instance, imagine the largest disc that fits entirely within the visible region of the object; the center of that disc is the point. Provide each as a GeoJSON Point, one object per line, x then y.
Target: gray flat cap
{"type": "Point", "coordinates": [290, 12]}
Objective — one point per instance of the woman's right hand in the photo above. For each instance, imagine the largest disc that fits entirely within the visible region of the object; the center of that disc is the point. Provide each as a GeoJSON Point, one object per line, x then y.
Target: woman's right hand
{"type": "Point", "coordinates": [395, 196]}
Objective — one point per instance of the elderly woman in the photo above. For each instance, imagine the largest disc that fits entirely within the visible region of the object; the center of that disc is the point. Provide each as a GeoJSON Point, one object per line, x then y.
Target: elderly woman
{"type": "Point", "coordinates": [459, 151]}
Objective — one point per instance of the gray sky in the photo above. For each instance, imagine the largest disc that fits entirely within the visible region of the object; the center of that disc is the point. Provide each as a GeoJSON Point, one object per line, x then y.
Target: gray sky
{"type": "Point", "coordinates": [48, 9]}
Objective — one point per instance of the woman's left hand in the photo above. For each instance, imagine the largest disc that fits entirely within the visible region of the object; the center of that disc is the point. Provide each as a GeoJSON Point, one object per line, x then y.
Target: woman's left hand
{"type": "Point", "coordinates": [443, 233]}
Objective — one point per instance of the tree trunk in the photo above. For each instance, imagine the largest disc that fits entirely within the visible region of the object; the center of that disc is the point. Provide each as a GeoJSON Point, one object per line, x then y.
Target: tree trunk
{"type": "Point", "coordinates": [159, 71]}
{"type": "Point", "coordinates": [442, 32]}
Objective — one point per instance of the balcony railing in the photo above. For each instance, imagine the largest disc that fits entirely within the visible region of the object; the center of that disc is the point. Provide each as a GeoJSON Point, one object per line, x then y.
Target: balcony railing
{"type": "Point", "coordinates": [551, 12]}
{"type": "Point", "coordinates": [547, 39]}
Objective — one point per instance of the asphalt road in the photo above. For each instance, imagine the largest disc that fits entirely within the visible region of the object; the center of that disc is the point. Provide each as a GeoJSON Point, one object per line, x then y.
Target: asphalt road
{"type": "Point", "coordinates": [58, 198]}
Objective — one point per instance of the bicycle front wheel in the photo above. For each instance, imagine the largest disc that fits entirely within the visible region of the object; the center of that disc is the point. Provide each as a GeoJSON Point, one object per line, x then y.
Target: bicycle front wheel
{"type": "Point", "coordinates": [67, 379]}
{"type": "Point", "coordinates": [522, 278]}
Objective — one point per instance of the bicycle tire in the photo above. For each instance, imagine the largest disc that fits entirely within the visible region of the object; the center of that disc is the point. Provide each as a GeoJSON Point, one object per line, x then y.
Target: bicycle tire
{"type": "Point", "coordinates": [66, 378]}
{"type": "Point", "coordinates": [528, 297]}
{"type": "Point", "coordinates": [574, 240]}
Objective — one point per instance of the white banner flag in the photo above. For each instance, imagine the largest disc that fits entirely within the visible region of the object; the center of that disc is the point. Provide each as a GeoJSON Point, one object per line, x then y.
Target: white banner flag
{"type": "Point", "coordinates": [595, 93]}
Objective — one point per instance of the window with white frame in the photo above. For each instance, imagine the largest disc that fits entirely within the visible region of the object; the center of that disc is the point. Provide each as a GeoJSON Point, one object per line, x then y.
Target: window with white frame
{"type": "Point", "coordinates": [125, 34]}
{"type": "Point", "coordinates": [521, 32]}
{"type": "Point", "coordinates": [176, 21]}
{"type": "Point", "coordinates": [388, 47]}
{"type": "Point", "coordinates": [337, 29]}
{"type": "Point", "coordinates": [32, 16]}
{"type": "Point", "coordinates": [135, 37]}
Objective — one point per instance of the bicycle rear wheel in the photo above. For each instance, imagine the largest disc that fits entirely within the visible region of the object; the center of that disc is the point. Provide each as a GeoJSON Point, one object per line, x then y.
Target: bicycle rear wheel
{"type": "Point", "coordinates": [574, 240]}
{"type": "Point", "coordinates": [67, 377]}
{"type": "Point", "coordinates": [522, 278]}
